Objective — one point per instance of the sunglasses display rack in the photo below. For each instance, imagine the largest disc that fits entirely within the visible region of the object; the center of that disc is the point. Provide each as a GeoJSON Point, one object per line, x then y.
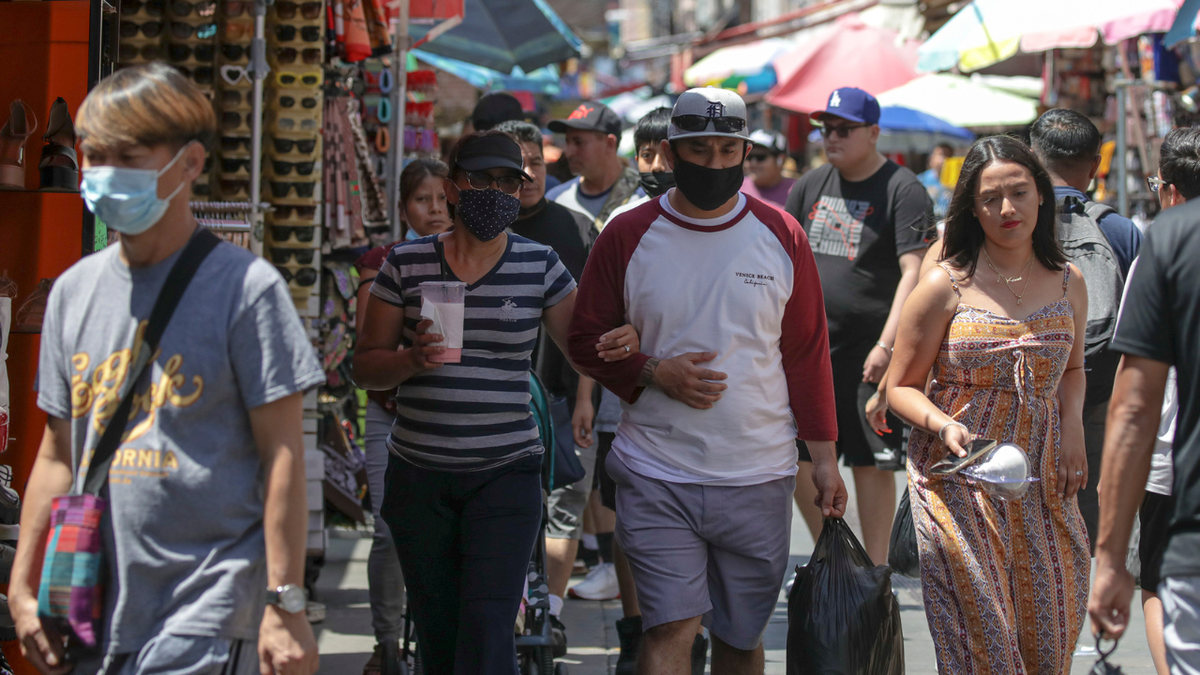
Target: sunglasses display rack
{"type": "Point", "coordinates": [292, 169]}
{"type": "Point", "coordinates": [234, 101]}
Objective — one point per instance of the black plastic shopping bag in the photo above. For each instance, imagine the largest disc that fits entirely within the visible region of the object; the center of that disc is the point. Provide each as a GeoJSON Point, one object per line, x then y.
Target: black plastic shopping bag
{"type": "Point", "coordinates": [902, 548]}
{"type": "Point", "coordinates": [842, 616]}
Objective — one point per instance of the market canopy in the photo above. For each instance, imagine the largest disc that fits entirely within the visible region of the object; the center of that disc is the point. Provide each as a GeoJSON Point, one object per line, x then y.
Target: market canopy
{"type": "Point", "coordinates": [962, 102]}
{"type": "Point", "coordinates": [544, 80]}
{"type": "Point", "coordinates": [504, 34]}
{"type": "Point", "coordinates": [747, 68]}
{"type": "Point", "coordinates": [989, 31]}
{"type": "Point", "coordinates": [904, 130]}
{"type": "Point", "coordinates": [850, 54]}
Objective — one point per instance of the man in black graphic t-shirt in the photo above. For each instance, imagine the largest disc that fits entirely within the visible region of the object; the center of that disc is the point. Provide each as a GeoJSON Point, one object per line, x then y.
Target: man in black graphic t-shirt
{"type": "Point", "coordinates": [868, 220]}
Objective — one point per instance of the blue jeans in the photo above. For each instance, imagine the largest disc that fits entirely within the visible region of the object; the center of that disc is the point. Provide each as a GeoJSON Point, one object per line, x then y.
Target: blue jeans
{"type": "Point", "coordinates": [384, 578]}
{"type": "Point", "coordinates": [465, 541]}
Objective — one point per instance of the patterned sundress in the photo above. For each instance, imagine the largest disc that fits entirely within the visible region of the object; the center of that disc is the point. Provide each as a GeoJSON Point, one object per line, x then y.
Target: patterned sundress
{"type": "Point", "coordinates": [1005, 583]}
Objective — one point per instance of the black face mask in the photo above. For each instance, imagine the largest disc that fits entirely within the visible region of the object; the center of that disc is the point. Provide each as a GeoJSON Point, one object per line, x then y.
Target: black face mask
{"type": "Point", "coordinates": [654, 183]}
{"type": "Point", "coordinates": [707, 188]}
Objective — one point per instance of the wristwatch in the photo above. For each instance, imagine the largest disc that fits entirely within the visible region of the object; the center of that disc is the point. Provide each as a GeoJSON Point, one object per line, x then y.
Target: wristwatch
{"type": "Point", "coordinates": [290, 598]}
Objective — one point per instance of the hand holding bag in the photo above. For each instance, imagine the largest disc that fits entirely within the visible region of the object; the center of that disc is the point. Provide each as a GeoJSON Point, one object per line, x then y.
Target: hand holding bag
{"type": "Point", "coordinates": [71, 593]}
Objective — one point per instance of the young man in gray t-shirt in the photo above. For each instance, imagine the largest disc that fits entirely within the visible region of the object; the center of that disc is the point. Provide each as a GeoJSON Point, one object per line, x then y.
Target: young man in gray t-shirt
{"type": "Point", "coordinates": [206, 513]}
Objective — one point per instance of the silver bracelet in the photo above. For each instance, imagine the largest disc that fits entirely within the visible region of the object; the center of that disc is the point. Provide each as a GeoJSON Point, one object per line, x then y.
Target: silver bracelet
{"type": "Point", "coordinates": [947, 425]}
{"type": "Point", "coordinates": [885, 347]}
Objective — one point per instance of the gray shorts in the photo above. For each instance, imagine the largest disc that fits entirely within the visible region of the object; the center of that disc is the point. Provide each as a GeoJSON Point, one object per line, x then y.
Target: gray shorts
{"type": "Point", "coordinates": [1181, 623]}
{"type": "Point", "coordinates": [699, 550]}
{"type": "Point", "coordinates": [566, 504]}
{"type": "Point", "coordinates": [168, 654]}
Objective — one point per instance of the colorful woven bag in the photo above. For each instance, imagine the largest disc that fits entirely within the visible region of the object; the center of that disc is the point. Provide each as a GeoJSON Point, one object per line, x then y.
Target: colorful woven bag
{"type": "Point", "coordinates": [71, 593]}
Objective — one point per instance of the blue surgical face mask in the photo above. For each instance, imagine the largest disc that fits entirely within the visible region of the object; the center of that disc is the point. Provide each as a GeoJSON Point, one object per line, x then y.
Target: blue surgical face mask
{"type": "Point", "coordinates": [125, 199]}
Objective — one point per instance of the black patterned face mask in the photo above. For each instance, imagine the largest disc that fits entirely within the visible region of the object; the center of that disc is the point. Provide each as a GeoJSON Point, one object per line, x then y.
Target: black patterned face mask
{"type": "Point", "coordinates": [486, 213]}
{"type": "Point", "coordinates": [707, 188]}
{"type": "Point", "coordinates": [654, 183]}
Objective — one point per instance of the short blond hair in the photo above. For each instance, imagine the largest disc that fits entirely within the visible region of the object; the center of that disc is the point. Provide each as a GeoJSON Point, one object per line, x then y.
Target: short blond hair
{"type": "Point", "coordinates": [148, 105]}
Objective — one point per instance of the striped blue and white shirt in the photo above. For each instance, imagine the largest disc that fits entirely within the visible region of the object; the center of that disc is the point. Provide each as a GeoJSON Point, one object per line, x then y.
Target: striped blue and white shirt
{"type": "Point", "coordinates": [473, 415]}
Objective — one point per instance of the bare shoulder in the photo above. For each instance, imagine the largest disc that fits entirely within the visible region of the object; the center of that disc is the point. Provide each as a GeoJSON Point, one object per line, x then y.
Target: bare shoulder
{"type": "Point", "coordinates": [935, 290]}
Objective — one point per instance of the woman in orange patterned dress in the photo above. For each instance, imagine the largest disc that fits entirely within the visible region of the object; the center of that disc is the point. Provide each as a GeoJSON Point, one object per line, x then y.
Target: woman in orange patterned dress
{"type": "Point", "coordinates": [1000, 325]}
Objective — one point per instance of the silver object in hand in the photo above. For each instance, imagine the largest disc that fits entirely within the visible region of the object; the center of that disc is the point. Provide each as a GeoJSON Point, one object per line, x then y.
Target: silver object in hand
{"type": "Point", "coordinates": [626, 349]}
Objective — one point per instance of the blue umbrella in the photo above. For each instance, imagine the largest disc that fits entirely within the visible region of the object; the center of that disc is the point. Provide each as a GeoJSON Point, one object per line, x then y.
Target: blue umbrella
{"type": "Point", "coordinates": [541, 81]}
{"type": "Point", "coordinates": [504, 34]}
{"type": "Point", "coordinates": [898, 119]}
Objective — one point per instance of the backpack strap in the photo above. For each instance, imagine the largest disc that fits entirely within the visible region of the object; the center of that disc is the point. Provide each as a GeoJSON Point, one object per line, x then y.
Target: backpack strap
{"type": "Point", "coordinates": [953, 281]}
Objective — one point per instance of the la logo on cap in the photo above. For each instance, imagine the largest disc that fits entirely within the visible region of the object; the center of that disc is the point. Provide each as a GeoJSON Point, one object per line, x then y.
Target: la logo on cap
{"type": "Point", "coordinates": [835, 100]}
{"type": "Point", "coordinates": [715, 109]}
{"type": "Point", "coordinates": [581, 112]}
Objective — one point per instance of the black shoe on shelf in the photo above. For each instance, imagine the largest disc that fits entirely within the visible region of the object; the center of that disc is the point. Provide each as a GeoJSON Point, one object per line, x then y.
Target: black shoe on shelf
{"type": "Point", "coordinates": [559, 632]}
{"type": "Point", "coordinates": [8, 628]}
{"type": "Point", "coordinates": [629, 635]}
{"type": "Point", "coordinates": [10, 502]}
{"type": "Point", "coordinates": [699, 654]}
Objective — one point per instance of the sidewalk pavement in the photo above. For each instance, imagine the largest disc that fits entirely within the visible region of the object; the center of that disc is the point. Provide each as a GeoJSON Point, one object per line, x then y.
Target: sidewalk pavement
{"type": "Point", "coordinates": [346, 640]}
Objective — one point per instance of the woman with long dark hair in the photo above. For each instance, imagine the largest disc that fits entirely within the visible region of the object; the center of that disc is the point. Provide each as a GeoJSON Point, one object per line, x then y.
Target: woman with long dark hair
{"type": "Point", "coordinates": [1000, 324]}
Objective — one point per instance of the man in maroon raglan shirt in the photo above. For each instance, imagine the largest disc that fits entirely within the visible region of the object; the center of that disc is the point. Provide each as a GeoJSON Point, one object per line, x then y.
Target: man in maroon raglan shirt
{"type": "Point", "coordinates": [734, 366]}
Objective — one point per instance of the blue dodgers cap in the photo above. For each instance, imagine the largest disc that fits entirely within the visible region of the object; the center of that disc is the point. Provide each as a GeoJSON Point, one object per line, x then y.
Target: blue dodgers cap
{"type": "Point", "coordinates": [851, 103]}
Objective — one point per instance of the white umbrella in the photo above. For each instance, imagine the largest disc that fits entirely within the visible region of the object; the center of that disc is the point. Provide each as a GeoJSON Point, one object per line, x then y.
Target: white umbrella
{"type": "Point", "coordinates": [737, 61]}
{"type": "Point", "coordinates": [961, 102]}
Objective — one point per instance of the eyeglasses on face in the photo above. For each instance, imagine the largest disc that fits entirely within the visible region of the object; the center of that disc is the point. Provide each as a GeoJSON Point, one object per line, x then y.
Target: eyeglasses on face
{"type": "Point", "coordinates": [285, 168]}
{"type": "Point", "coordinates": [281, 189]}
{"type": "Point", "coordinates": [697, 123]}
{"type": "Point", "coordinates": [842, 130]}
{"type": "Point", "coordinates": [305, 276]}
{"type": "Point", "coordinates": [280, 256]}
{"type": "Point", "coordinates": [295, 213]}
{"type": "Point", "coordinates": [287, 9]}
{"type": "Point", "coordinates": [302, 233]}
{"type": "Point", "coordinates": [1155, 183]}
{"type": "Point", "coordinates": [481, 180]}
{"type": "Point", "coordinates": [285, 145]}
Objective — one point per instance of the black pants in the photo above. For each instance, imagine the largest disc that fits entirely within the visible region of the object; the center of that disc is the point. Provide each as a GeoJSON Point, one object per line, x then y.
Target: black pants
{"type": "Point", "coordinates": [1094, 417]}
{"type": "Point", "coordinates": [465, 541]}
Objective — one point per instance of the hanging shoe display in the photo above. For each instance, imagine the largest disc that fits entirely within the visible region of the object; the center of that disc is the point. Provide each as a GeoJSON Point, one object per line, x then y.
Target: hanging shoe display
{"type": "Point", "coordinates": [59, 167]}
{"type": "Point", "coordinates": [20, 126]}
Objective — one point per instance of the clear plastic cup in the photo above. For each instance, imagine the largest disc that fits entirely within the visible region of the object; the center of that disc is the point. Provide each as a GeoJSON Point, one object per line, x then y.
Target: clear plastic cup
{"type": "Point", "coordinates": [444, 302]}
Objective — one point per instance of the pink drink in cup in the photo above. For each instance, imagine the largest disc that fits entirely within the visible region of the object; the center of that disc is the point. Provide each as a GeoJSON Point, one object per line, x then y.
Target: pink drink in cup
{"type": "Point", "coordinates": [444, 303]}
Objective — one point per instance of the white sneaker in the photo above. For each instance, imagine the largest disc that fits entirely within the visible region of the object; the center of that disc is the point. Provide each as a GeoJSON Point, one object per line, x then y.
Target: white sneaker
{"type": "Point", "coordinates": [600, 584]}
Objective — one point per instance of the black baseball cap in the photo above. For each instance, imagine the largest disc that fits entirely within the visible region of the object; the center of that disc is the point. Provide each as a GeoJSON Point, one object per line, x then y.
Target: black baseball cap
{"type": "Point", "coordinates": [494, 109]}
{"type": "Point", "coordinates": [491, 151]}
{"type": "Point", "coordinates": [589, 116]}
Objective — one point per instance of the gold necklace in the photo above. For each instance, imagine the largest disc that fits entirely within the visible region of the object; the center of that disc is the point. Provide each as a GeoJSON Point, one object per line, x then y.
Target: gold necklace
{"type": "Point", "coordinates": [1008, 281]}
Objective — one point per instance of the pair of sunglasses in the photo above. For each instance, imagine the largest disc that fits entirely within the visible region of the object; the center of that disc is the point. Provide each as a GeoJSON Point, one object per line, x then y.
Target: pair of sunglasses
{"type": "Point", "coordinates": [288, 124]}
{"type": "Point", "coordinates": [280, 256]}
{"type": "Point", "coordinates": [150, 29]}
{"type": "Point", "coordinates": [287, 9]}
{"type": "Point", "coordinates": [235, 8]}
{"type": "Point", "coordinates": [295, 213]}
{"type": "Point", "coordinates": [842, 130]}
{"type": "Point", "coordinates": [281, 189]}
{"type": "Point", "coordinates": [286, 33]}
{"type": "Point", "coordinates": [178, 52]}
{"type": "Point", "coordinates": [305, 276]}
{"type": "Point", "coordinates": [152, 7]}
{"type": "Point", "coordinates": [234, 120]}
{"type": "Point", "coordinates": [288, 78]}
{"type": "Point", "coordinates": [480, 180]}
{"type": "Point", "coordinates": [128, 52]}
{"type": "Point", "coordinates": [285, 145]}
{"type": "Point", "coordinates": [201, 189]}
{"type": "Point", "coordinates": [183, 31]}
{"type": "Point", "coordinates": [233, 164]}
{"type": "Point", "coordinates": [233, 97]}
{"type": "Point", "coordinates": [235, 52]}
{"type": "Point", "coordinates": [283, 168]}
{"type": "Point", "coordinates": [232, 186]}
{"type": "Point", "coordinates": [721, 125]}
{"type": "Point", "coordinates": [290, 102]}
{"type": "Point", "coordinates": [231, 143]}
{"type": "Point", "coordinates": [236, 31]}
{"type": "Point", "coordinates": [288, 54]}
{"type": "Point", "coordinates": [202, 8]}
{"type": "Point", "coordinates": [201, 75]}
{"type": "Point", "coordinates": [302, 233]}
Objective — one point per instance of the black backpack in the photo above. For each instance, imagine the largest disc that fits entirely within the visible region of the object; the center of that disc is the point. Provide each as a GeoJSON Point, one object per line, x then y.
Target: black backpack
{"type": "Point", "coordinates": [1086, 246]}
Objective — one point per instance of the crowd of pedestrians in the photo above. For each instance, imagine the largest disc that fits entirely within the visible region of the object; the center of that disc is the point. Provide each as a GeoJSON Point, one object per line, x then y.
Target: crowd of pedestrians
{"type": "Point", "coordinates": [718, 335]}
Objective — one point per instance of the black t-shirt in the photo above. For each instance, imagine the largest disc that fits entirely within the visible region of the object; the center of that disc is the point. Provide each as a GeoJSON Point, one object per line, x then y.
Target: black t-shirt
{"type": "Point", "coordinates": [858, 231]}
{"type": "Point", "coordinates": [1160, 320]}
{"type": "Point", "coordinates": [564, 231]}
